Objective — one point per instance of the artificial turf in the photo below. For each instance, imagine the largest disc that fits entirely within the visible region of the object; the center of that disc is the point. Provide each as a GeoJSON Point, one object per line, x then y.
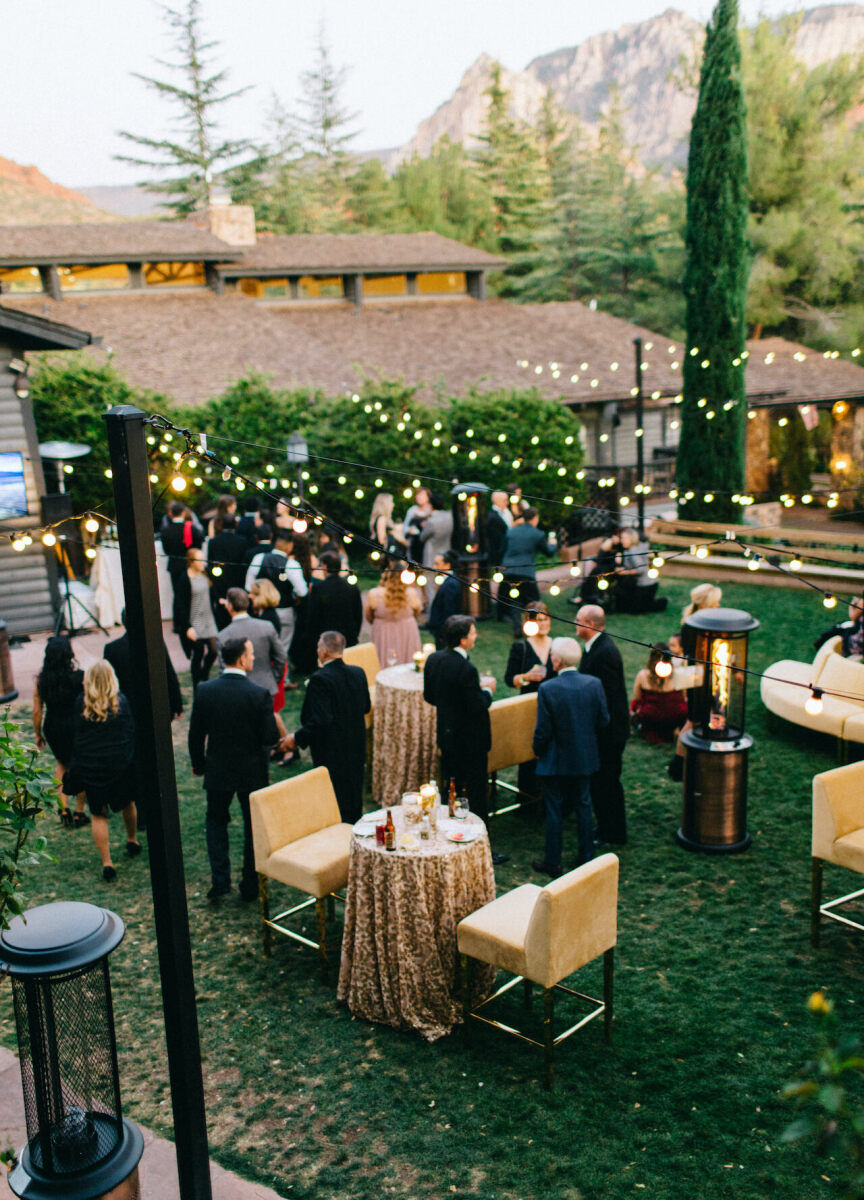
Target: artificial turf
{"type": "Point", "coordinates": [713, 971]}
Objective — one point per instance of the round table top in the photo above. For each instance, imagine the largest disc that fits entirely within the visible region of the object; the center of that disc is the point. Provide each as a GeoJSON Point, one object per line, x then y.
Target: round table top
{"type": "Point", "coordinates": [402, 676]}
{"type": "Point", "coordinates": [437, 845]}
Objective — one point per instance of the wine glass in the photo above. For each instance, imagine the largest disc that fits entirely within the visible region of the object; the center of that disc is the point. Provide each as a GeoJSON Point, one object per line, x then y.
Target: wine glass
{"type": "Point", "coordinates": [392, 659]}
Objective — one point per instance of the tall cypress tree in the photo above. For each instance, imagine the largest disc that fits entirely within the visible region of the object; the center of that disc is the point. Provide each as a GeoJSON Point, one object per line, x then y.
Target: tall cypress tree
{"type": "Point", "coordinates": [711, 451]}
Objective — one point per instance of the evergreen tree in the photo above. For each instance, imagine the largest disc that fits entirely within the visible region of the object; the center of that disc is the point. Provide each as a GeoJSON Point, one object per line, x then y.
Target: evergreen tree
{"type": "Point", "coordinates": [198, 153]}
{"type": "Point", "coordinates": [374, 199]}
{"type": "Point", "coordinates": [444, 193]}
{"type": "Point", "coordinates": [711, 450]}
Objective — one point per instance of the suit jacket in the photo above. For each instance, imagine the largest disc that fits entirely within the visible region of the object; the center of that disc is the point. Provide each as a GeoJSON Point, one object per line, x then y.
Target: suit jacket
{"type": "Point", "coordinates": [571, 712]}
{"type": "Point", "coordinates": [334, 603]}
{"type": "Point", "coordinates": [452, 685]}
{"type": "Point", "coordinates": [603, 661]}
{"type": "Point", "coordinates": [436, 535]}
{"type": "Point", "coordinates": [269, 651]}
{"type": "Point", "coordinates": [228, 549]}
{"type": "Point", "coordinates": [230, 732]}
{"type": "Point", "coordinates": [496, 537]}
{"type": "Point", "coordinates": [119, 655]}
{"type": "Point", "coordinates": [332, 720]}
{"type": "Point", "coordinates": [447, 603]}
{"type": "Point", "coordinates": [172, 544]}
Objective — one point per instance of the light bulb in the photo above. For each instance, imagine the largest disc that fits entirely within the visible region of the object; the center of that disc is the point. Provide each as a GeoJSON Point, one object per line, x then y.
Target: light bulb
{"type": "Point", "coordinates": [813, 703]}
{"type": "Point", "coordinates": [663, 668]}
{"type": "Point", "coordinates": [439, 579]}
{"type": "Point", "coordinates": [514, 592]}
{"type": "Point", "coordinates": [19, 544]}
{"type": "Point", "coordinates": [554, 590]}
{"type": "Point", "coordinates": [407, 576]}
{"type": "Point", "coordinates": [657, 561]}
{"type": "Point", "coordinates": [300, 525]}
{"type": "Point", "coordinates": [497, 577]}
{"type": "Point", "coordinates": [109, 474]}
{"type": "Point", "coordinates": [753, 564]}
{"type": "Point", "coordinates": [421, 581]}
{"type": "Point", "coordinates": [602, 584]}
{"type": "Point", "coordinates": [829, 601]}
{"type": "Point", "coordinates": [91, 525]}
{"type": "Point", "coordinates": [178, 483]}
{"type": "Point", "coordinates": [90, 552]}
{"type": "Point", "coordinates": [217, 571]}
{"type": "Point", "coordinates": [352, 579]}
{"type": "Point", "coordinates": [530, 628]}
{"type": "Point", "coordinates": [375, 555]}
{"type": "Point", "coordinates": [48, 539]}
{"type": "Point", "coordinates": [795, 564]}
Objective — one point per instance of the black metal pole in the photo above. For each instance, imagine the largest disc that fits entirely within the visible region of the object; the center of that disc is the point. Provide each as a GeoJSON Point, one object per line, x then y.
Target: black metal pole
{"type": "Point", "coordinates": [640, 439]}
{"type": "Point", "coordinates": [131, 477]}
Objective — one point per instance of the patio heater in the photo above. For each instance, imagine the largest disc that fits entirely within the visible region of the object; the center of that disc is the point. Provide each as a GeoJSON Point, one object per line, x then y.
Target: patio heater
{"type": "Point", "coordinates": [469, 539]}
{"type": "Point", "coordinates": [714, 817]}
{"type": "Point", "coordinates": [79, 1146]}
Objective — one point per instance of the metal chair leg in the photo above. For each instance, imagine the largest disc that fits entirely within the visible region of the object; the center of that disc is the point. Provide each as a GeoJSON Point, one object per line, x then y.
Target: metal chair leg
{"type": "Point", "coordinates": [815, 899]}
{"type": "Point", "coordinates": [264, 905]}
{"type": "Point", "coordinates": [321, 910]}
{"type": "Point", "coordinates": [331, 908]}
{"type": "Point", "coordinates": [467, 973]}
{"type": "Point", "coordinates": [608, 992]}
{"type": "Point", "coordinates": [549, 1036]}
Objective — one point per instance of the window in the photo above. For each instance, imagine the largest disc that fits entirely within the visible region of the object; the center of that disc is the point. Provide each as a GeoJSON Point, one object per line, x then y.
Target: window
{"type": "Point", "coordinates": [385, 285]}
{"type": "Point", "coordinates": [319, 287]}
{"type": "Point", "coordinates": [20, 279]}
{"type": "Point", "coordinates": [441, 282]}
{"type": "Point", "coordinates": [174, 274]}
{"type": "Point", "coordinates": [94, 278]}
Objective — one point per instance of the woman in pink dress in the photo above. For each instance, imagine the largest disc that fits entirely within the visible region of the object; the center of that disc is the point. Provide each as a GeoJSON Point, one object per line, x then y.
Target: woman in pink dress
{"type": "Point", "coordinates": [392, 609]}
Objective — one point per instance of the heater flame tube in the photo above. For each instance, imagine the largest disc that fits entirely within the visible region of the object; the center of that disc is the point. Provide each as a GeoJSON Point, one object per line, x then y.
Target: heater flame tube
{"type": "Point", "coordinates": [721, 664]}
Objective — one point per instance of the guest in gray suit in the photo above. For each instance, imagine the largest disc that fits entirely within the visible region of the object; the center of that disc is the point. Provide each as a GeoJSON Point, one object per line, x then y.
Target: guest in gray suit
{"type": "Point", "coordinates": [269, 651]}
{"type": "Point", "coordinates": [571, 712]}
{"type": "Point", "coordinates": [437, 538]}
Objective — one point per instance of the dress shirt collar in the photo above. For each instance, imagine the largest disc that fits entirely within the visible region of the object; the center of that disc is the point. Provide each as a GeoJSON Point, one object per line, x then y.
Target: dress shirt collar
{"type": "Point", "coordinates": [234, 671]}
{"type": "Point", "coordinates": [592, 640]}
{"type": "Point", "coordinates": [462, 651]}
{"type": "Point", "coordinates": [239, 616]}
{"type": "Point", "coordinates": [564, 670]}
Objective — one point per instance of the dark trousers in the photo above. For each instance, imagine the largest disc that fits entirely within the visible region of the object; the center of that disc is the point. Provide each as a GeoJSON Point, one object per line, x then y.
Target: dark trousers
{"type": "Point", "coordinates": [510, 608]}
{"type": "Point", "coordinates": [563, 794]}
{"type": "Point", "coordinates": [471, 779]}
{"type": "Point", "coordinates": [202, 659]}
{"type": "Point", "coordinates": [607, 796]}
{"type": "Point", "coordinates": [216, 827]}
{"type": "Point", "coordinates": [348, 786]}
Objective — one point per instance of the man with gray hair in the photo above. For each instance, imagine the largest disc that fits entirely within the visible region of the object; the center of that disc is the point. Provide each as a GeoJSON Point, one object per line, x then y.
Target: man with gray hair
{"type": "Point", "coordinates": [333, 723]}
{"type": "Point", "coordinates": [571, 712]}
{"type": "Point", "coordinates": [602, 659]}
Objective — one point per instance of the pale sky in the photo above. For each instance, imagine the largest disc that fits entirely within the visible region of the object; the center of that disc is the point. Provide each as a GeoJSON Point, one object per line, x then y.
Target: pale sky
{"type": "Point", "coordinates": [67, 87]}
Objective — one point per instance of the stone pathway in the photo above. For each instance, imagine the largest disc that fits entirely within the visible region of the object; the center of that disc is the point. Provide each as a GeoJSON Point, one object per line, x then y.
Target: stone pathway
{"type": "Point", "coordinates": [158, 1167]}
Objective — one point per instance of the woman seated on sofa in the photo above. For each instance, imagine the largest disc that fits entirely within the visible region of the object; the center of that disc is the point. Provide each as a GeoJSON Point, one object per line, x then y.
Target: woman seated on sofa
{"type": "Point", "coordinates": [658, 709]}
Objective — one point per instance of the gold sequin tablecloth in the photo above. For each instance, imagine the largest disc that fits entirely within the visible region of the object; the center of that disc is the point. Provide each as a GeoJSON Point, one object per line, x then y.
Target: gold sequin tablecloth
{"type": "Point", "coordinates": [400, 964]}
{"type": "Point", "coordinates": [404, 750]}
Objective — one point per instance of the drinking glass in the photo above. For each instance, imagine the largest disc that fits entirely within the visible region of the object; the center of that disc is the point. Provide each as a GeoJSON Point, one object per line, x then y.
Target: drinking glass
{"type": "Point", "coordinates": [463, 808]}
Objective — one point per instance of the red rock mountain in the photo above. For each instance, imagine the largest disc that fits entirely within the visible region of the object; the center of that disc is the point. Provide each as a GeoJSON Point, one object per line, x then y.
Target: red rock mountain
{"type": "Point", "coordinates": [27, 197]}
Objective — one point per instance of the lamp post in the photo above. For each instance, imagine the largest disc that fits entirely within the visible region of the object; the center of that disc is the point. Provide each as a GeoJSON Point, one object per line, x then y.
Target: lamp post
{"type": "Point", "coordinates": [640, 438]}
{"type": "Point", "coordinates": [297, 453]}
{"type": "Point", "coordinates": [79, 1145]}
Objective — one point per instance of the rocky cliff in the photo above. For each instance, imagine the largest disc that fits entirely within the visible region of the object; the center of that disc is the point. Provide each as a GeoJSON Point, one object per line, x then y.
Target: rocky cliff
{"type": "Point", "coordinates": [652, 65]}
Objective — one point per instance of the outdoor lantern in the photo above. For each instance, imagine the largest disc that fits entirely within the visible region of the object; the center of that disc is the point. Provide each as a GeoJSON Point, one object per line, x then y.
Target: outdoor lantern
{"type": "Point", "coordinates": [469, 539]}
{"type": "Point", "coordinates": [715, 765]}
{"type": "Point", "coordinates": [78, 1144]}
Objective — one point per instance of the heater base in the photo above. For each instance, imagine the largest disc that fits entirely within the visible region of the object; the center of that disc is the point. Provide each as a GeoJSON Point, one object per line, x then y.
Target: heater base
{"type": "Point", "coordinates": [703, 848]}
{"type": "Point", "coordinates": [115, 1178]}
{"type": "Point", "coordinates": [714, 816]}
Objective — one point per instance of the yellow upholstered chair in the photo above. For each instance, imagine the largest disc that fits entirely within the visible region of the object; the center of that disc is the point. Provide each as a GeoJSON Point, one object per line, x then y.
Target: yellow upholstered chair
{"type": "Point", "coordinates": [838, 837]}
{"type": "Point", "coordinates": [542, 935]}
{"type": "Point", "coordinates": [512, 724]}
{"type": "Point", "coordinates": [365, 655]}
{"type": "Point", "coordinates": [301, 841]}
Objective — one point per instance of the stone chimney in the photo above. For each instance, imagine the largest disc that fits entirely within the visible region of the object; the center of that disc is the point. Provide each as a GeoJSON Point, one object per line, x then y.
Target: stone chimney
{"type": "Point", "coordinates": [233, 223]}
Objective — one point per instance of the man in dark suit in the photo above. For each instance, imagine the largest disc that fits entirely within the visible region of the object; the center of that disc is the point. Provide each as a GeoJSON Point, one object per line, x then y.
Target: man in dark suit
{"type": "Point", "coordinates": [448, 598]}
{"type": "Point", "coordinates": [334, 603]}
{"type": "Point", "coordinates": [602, 659]}
{"type": "Point", "coordinates": [226, 557]}
{"type": "Point", "coordinates": [230, 735]}
{"type": "Point", "coordinates": [333, 723]}
{"type": "Point", "coordinates": [119, 654]}
{"type": "Point", "coordinates": [268, 651]}
{"type": "Point", "coordinates": [451, 684]}
{"type": "Point", "coordinates": [571, 715]}
{"type": "Point", "coordinates": [497, 523]}
{"type": "Point", "coordinates": [179, 534]}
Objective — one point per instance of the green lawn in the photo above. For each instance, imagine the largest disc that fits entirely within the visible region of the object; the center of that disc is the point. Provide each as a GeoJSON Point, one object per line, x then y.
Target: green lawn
{"type": "Point", "coordinates": [714, 968]}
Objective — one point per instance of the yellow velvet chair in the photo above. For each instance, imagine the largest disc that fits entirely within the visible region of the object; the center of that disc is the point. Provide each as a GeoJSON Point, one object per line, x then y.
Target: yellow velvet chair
{"type": "Point", "coordinates": [542, 935]}
{"type": "Point", "coordinates": [512, 724]}
{"type": "Point", "coordinates": [365, 655]}
{"type": "Point", "coordinates": [838, 837]}
{"type": "Point", "coordinates": [301, 841]}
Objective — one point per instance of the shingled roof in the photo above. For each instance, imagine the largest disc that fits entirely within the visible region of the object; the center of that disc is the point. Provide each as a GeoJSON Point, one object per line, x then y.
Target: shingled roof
{"type": "Point", "coordinates": [361, 252]}
{"type": "Point", "coordinates": [192, 346]}
{"type": "Point", "coordinates": [111, 242]}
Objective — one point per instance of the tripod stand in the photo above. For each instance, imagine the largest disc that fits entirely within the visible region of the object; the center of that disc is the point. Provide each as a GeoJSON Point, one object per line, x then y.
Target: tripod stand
{"type": "Point", "coordinates": [64, 613]}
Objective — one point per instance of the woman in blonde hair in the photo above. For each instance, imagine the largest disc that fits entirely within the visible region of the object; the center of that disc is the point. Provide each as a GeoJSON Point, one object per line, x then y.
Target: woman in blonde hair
{"type": "Point", "coordinates": [392, 609]}
{"type": "Point", "coordinates": [383, 528]}
{"type": "Point", "coordinates": [102, 760]}
{"type": "Point", "coordinates": [703, 595]}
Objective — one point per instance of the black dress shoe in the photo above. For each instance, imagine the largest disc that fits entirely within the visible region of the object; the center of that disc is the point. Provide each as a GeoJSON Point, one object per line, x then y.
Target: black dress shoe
{"type": "Point", "coordinates": [109, 874]}
{"type": "Point", "coordinates": [249, 891]}
{"type": "Point", "coordinates": [133, 849]}
{"type": "Point", "coordinates": [498, 859]}
{"type": "Point", "coordinates": [544, 868]}
{"type": "Point", "coordinates": [216, 892]}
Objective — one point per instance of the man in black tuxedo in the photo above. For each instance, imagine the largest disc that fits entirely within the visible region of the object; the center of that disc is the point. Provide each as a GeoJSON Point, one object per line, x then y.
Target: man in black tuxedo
{"type": "Point", "coordinates": [448, 598]}
{"type": "Point", "coordinates": [602, 659]}
{"type": "Point", "coordinates": [179, 534]}
{"type": "Point", "coordinates": [119, 654]}
{"type": "Point", "coordinates": [334, 603]}
{"type": "Point", "coordinates": [333, 723]}
{"type": "Point", "coordinates": [230, 735]}
{"type": "Point", "coordinates": [226, 557]}
{"type": "Point", "coordinates": [571, 714]}
{"type": "Point", "coordinates": [498, 522]}
{"type": "Point", "coordinates": [451, 684]}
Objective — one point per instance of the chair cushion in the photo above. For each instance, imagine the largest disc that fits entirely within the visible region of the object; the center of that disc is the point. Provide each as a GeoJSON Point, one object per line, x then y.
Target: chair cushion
{"type": "Point", "coordinates": [846, 676]}
{"type": "Point", "coordinates": [849, 851]}
{"type": "Point", "coordinates": [316, 864]}
{"type": "Point", "coordinates": [290, 810]}
{"type": "Point", "coordinates": [512, 724]}
{"type": "Point", "coordinates": [496, 932]}
{"type": "Point", "coordinates": [853, 728]}
{"type": "Point", "coordinates": [838, 807]}
{"type": "Point", "coordinates": [791, 669]}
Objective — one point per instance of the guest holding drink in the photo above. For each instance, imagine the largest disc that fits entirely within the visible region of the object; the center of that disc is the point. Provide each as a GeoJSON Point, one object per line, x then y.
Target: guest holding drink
{"type": "Point", "coordinates": [529, 665]}
{"type": "Point", "coordinates": [392, 609]}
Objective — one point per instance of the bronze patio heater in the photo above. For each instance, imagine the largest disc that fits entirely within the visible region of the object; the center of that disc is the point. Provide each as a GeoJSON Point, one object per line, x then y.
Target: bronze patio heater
{"type": "Point", "coordinates": [79, 1146]}
{"type": "Point", "coordinates": [714, 819]}
{"type": "Point", "coordinates": [469, 540]}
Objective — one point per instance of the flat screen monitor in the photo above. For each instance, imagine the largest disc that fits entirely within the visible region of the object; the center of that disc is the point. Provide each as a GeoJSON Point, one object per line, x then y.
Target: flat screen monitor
{"type": "Point", "coordinates": [13, 489]}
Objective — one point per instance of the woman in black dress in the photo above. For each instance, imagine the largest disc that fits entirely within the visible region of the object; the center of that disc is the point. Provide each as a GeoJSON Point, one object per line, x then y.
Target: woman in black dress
{"type": "Point", "coordinates": [102, 763]}
{"type": "Point", "coordinates": [529, 664]}
{"type": "Point", "coordinates": [58, 685]}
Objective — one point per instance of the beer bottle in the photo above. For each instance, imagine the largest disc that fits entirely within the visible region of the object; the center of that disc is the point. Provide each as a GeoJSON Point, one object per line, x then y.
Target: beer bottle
{"type": "Point", "coordinates": [389, 832]}
{"type": "Point", "coordinates": [451, 799]}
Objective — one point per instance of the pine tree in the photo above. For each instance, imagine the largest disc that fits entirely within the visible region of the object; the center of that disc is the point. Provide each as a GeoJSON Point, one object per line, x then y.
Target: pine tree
{"type": "Point", "coordinates": [444, 193]}
{"type": "Point", "coordinates": [198, 153]}
{"type": "Point", "coordinates": [711, 450]}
